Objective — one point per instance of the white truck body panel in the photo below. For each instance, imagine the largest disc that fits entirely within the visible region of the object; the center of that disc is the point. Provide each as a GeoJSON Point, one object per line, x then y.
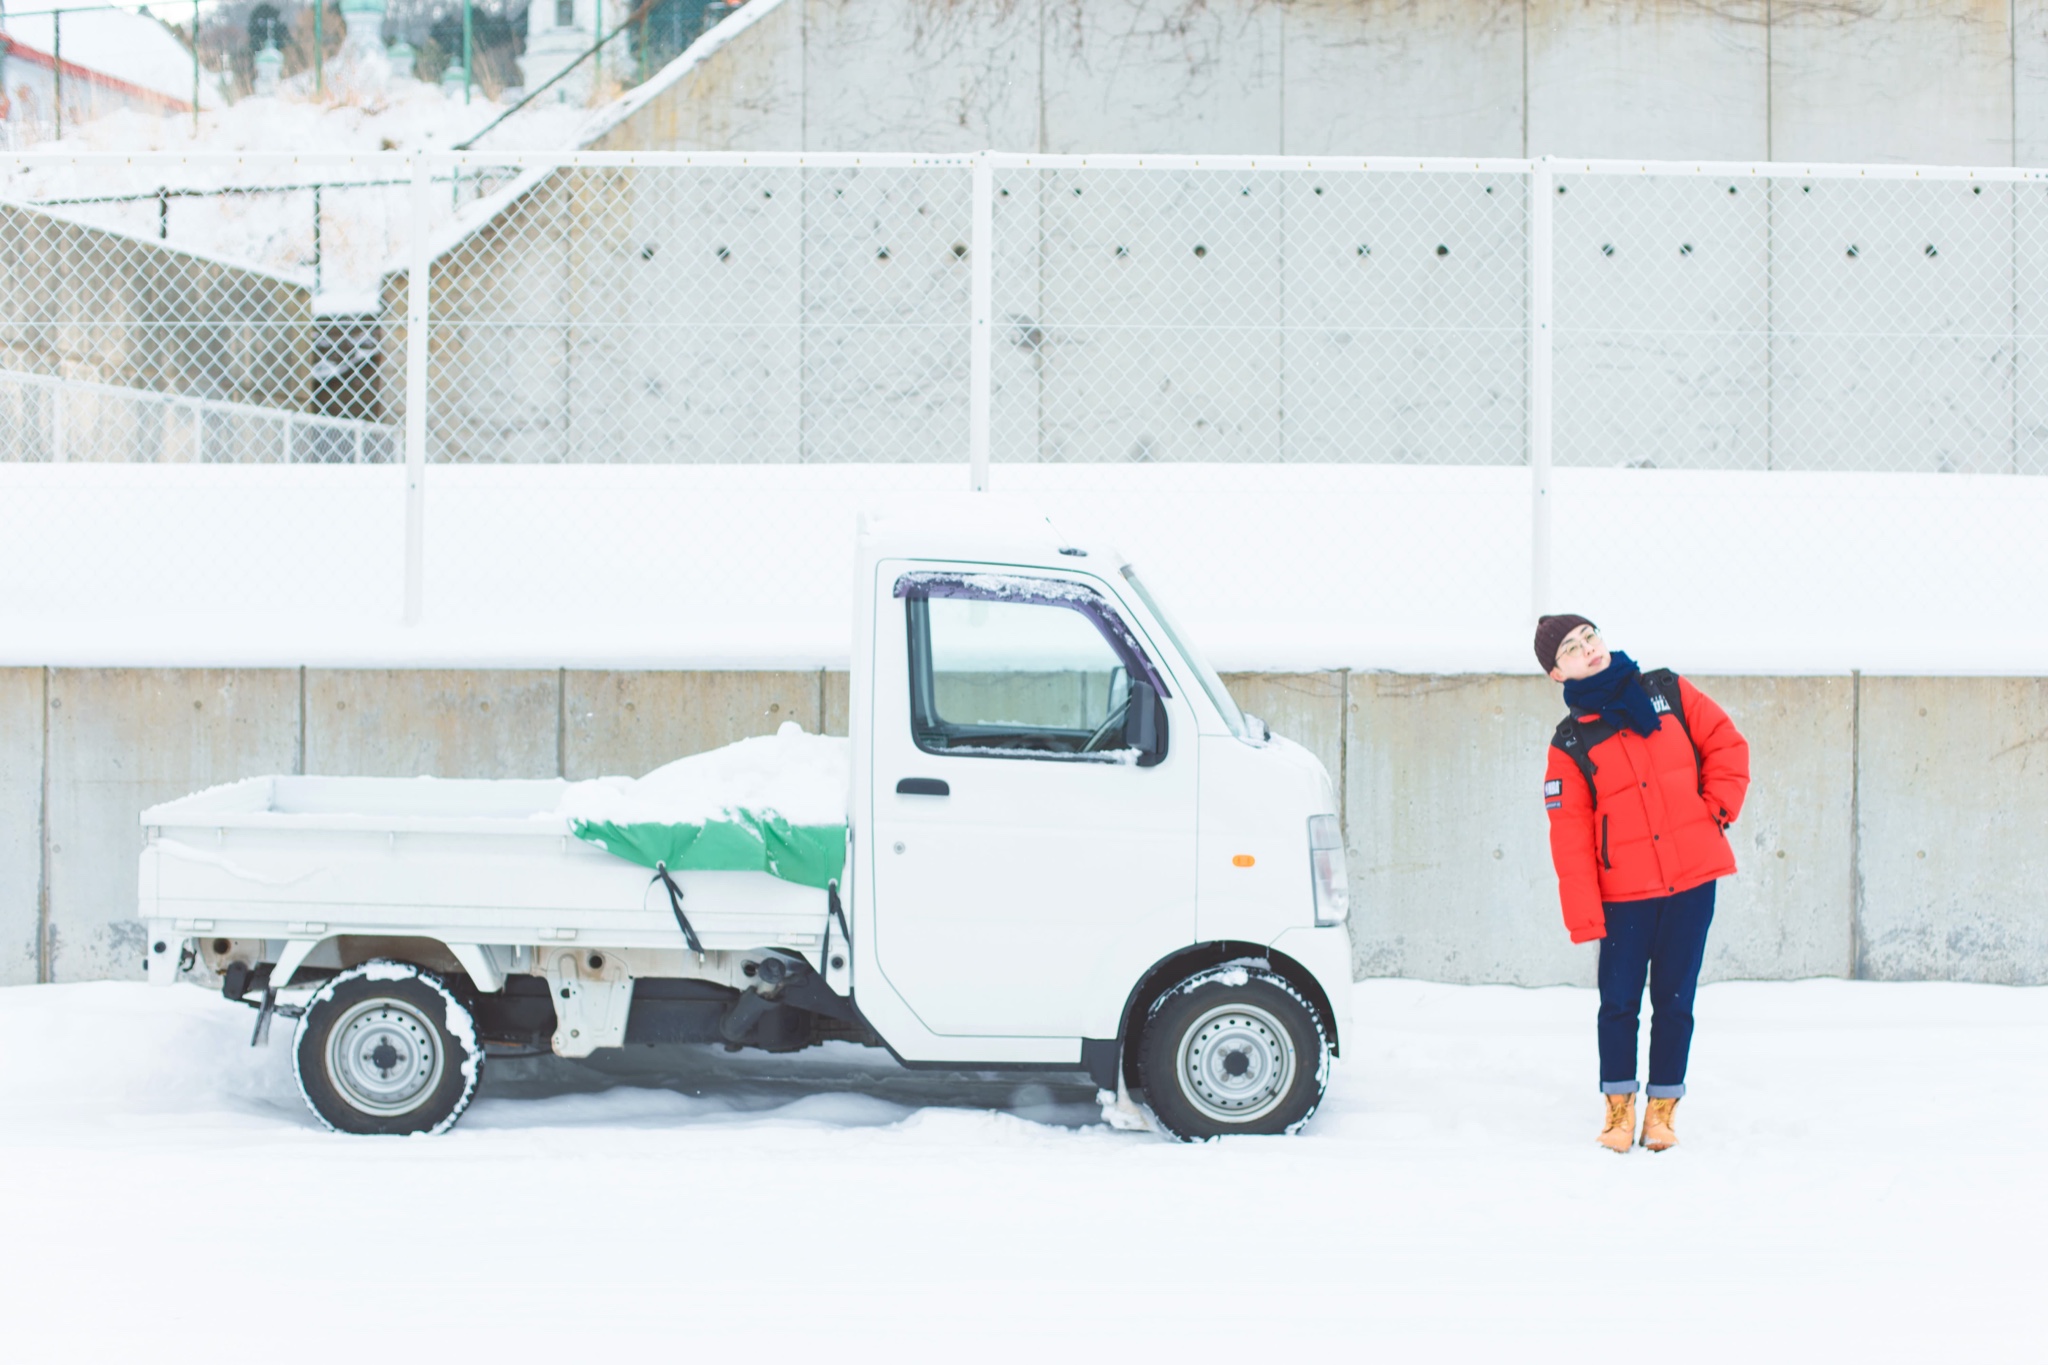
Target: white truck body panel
{"type": "Point", "coordinates": [1057, 853]}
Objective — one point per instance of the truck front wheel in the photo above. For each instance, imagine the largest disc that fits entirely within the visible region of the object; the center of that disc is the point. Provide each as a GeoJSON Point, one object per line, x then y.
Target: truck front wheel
{"type": "Point", "coordinates": [1233, 1049]}
{"type": "Point", "coordinates": [387, 1048]}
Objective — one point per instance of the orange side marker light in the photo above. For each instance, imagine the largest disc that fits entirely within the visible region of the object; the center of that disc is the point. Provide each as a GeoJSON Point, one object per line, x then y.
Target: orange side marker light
{"type": "Point", "coordinates": [1243, 860]}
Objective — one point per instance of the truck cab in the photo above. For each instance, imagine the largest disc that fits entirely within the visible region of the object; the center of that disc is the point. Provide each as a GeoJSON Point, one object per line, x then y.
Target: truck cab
{"type": "Point", "coordinates": [1061, 816]}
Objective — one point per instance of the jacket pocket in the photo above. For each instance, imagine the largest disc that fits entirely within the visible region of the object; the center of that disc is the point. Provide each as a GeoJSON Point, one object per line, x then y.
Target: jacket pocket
{"type": "Point", "coordinates": [1605, 861]}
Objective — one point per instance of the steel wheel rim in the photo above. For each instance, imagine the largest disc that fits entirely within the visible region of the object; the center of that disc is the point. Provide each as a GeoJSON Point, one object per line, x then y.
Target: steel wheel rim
{"type": "Point", "coordinates": [385, 1057]}
{"type": "Point", "coordinates": [1236, 1063]}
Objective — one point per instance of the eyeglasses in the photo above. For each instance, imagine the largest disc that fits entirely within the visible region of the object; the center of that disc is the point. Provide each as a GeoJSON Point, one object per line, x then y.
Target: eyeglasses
{"type": "Point", "coordinates": [1575, 644]}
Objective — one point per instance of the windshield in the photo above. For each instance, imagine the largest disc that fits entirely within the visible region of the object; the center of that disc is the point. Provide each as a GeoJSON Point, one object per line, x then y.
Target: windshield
{"type": "Point", "coordinates": [1205, 675]}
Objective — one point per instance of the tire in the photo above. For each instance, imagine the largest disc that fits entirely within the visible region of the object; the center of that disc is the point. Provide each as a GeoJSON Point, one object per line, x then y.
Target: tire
{"type": "Point", "coordinates": [1233, 1049]}
{"type": "Point", "coordinates": [386, 1048]}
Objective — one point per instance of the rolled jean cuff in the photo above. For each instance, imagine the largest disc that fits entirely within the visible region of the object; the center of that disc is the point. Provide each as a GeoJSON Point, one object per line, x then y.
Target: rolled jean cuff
{"type": "Point", "coordinates": [1666, 1092]}
{"type": "Point", "coordinates": [1621, 1088]}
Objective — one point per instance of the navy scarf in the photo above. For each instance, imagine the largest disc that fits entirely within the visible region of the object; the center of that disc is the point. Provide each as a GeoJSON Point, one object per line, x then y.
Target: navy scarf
{"type": "Point", "coordinates": [1616, 692]}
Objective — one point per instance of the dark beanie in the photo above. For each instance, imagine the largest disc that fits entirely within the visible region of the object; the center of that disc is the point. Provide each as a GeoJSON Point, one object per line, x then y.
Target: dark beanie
{"type": "Point", "coordinates": [1550, 633]}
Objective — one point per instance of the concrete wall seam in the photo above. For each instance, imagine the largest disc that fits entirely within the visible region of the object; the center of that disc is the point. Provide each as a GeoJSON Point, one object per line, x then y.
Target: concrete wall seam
{"type": "Point", "coordinates": [1856, 826]}
{"type": "Point", "coordinates": [43, 840]}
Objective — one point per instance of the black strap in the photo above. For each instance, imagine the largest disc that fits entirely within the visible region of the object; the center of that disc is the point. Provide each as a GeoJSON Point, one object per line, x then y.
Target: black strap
{"type": "Point", "coordinates": [675, 903]}
{"type": "Point", "coordinates": [1663, 683]}
{"type": "Point", "coordinates": [1576, 738]}
{"type": "Point", "coordinates": [834, 909]}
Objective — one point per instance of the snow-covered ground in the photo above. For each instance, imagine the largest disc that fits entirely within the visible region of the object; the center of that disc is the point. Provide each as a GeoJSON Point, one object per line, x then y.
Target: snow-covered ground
{"type": "Point", "coordinates": [1860, 1180]}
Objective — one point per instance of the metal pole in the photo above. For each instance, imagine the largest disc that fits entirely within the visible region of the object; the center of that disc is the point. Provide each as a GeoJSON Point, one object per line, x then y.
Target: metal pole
{"type": "Point", "coordinates": [195, 68]}
{"type": "Point", "coordinates": [982, 276]}
{"type": "Point", "coordinates": [597, 69]}
{"type": "Point", "coordinates": [57, 67]}
{"type": "Point", "coordinates": [468, 69]}
{"type": "Point", "coordinates": [416, 282]}
{"type": "Point", "coordinates": [319, 51]}
{"type": "Point", "coordinates": [1542, 195]}
{"type": "Point", "coordinates": [316, 240]}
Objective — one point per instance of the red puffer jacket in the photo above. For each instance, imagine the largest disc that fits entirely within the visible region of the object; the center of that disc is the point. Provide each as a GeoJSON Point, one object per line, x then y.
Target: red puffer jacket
{"type": "Point", "coordinates": [1657, 826]}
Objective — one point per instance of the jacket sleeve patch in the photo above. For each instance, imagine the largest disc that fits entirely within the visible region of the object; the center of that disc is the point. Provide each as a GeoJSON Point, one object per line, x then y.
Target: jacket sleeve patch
{"type": "Point", "coordinates": [1554, 787]}
{"type": "Point", "coordinates": [1553, 804]}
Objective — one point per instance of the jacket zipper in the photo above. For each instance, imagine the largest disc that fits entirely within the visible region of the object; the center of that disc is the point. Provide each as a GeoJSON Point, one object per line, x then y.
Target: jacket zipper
{"type": "Point", "coordinates": [1605, 861]}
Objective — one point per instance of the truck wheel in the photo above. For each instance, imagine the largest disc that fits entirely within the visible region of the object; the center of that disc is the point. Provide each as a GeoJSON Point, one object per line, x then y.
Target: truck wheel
{"type": "Point", "coordinates": [387, 1048]}
{"type": "Point", "coordinates": [1233, 1049]}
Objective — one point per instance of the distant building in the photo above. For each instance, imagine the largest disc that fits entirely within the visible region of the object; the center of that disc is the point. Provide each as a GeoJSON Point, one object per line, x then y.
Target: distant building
{"type": "Point", "coordinates": [112, 59]}
{"type": "Point", "coordinates": [560, 31]}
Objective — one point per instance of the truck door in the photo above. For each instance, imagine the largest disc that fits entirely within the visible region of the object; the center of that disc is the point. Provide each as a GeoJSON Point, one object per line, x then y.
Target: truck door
{"type": "Point", "coordinates": [1029, 866]}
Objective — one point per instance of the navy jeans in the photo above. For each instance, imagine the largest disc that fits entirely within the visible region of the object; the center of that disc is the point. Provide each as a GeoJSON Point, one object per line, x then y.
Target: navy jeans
{"type": "Point", "coordinates": [1662, 939]}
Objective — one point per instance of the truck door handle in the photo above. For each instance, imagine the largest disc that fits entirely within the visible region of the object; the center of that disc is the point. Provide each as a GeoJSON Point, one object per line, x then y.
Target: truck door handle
{"type": "Point", "coordinates": [923, 786]}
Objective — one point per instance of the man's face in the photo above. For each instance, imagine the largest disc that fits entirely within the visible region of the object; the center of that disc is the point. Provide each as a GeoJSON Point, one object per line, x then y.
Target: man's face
{"type": "Point", "coordinates": [1582, 654]}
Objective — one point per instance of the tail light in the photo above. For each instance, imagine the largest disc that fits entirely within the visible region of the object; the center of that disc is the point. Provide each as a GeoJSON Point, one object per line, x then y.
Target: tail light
{"type": "Point", "coordinates": [1326, 859]}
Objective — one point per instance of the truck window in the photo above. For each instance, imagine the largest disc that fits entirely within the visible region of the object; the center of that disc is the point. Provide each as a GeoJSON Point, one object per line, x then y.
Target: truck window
{"type": "Point", "coordinates": [1023, 678]}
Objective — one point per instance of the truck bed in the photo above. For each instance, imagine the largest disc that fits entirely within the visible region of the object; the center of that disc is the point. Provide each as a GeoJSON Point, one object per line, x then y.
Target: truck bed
{"type": "Point", "coordinates": [471, 862]}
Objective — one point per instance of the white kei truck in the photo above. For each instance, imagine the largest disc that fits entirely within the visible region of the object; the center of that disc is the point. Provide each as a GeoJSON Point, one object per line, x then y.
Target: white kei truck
{"type": "Point", "coordinates": [1064, 849]}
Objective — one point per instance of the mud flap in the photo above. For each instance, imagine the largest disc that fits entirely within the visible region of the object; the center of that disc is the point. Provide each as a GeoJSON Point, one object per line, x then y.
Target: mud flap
{"type": "Point", "coordinates": [1121, 1112]}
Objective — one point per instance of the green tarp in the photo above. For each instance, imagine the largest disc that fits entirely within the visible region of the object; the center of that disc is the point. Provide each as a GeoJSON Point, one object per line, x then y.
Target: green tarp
{"type": "Point", "coordinates": [741, 841]}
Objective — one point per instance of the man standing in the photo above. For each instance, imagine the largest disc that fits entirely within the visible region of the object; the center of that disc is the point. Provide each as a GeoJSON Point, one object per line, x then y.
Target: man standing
{"type": "Point", "coordinates": [1646, 774]}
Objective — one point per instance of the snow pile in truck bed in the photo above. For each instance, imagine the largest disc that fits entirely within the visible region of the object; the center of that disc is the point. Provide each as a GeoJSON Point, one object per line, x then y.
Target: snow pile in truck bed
{"type": "Point", "coordinates": [802, 777]}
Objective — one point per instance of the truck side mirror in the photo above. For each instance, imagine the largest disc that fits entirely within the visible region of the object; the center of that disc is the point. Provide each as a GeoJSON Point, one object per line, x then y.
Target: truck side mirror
{"type": "Point", "coordinates": [1144, 725]}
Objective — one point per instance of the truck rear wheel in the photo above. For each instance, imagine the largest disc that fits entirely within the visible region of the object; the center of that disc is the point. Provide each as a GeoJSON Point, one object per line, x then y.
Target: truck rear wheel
{"type": "Point", "coordinates": [387, 1048]}
{"type": "Point", "coordinates": [1233, 1049]}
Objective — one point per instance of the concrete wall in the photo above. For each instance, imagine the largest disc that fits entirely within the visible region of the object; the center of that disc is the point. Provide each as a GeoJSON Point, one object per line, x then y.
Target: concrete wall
{"type": "Point", "coordinates": [83, 303]}
{"type": "Point", "coordinates": [1948, 81]}
{"type": "Point", "coordinates": [1893, 829]}
{"type": "Point", "coordinates": [123, 739]}
{"type": "Point", "coordinates": [817, 316]}
{"type": "Point", "coordinates": [1953, 866]}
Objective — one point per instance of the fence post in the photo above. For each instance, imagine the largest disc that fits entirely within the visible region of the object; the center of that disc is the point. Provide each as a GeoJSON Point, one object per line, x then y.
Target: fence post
{"type": "Point", "coordinates": [1541, 199]}
{"type": "Point", "coordinates": [416, 279]}
{"type": "Point", "coordinates": [982, 270]}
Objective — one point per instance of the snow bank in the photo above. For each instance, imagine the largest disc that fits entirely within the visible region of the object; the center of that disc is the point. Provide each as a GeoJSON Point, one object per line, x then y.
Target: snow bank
{"type": "Point", "coordinates": [802, 777]}
{"type": "Point", "coordinates": [1269, 567]}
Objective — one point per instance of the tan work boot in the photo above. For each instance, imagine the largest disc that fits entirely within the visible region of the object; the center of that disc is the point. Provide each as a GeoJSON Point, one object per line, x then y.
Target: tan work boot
{"type": "Point", "coordinates": [1658, 1134]}
{"type": "Point", "coordinates": [1620, 1133]}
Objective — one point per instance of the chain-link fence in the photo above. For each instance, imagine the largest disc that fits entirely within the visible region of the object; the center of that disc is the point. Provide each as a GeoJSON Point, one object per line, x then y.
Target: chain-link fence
{"type": "Point", "coordinates": [1355, 412]}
